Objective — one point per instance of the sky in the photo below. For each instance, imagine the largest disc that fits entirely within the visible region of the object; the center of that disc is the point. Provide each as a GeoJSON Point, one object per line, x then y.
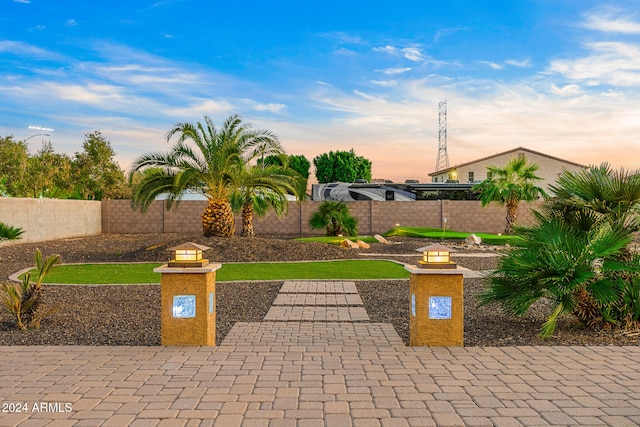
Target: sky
{"type": "Point", "coordinates": [557, 76]}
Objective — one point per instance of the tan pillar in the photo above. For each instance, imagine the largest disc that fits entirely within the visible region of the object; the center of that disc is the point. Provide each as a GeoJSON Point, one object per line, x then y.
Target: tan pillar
{"type": "Point", "coordinates": [188, 307]}
{"type": "Point", "coordinates": [436, 315]}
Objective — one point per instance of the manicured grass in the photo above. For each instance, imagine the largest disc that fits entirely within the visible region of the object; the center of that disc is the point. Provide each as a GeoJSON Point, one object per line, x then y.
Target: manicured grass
{"type": "Point", "coordinates": [143, 273]}
{"type": "Point", "coordinates": [437, 233]}
{"type": "Point", "coordinates": [336, 240]}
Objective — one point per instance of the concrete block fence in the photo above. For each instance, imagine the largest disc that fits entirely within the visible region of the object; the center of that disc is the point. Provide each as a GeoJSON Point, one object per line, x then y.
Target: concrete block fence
{"type": "Point", "coordinates": [373, 217]}
{"type": "Point", "coordinates": [51, 219]}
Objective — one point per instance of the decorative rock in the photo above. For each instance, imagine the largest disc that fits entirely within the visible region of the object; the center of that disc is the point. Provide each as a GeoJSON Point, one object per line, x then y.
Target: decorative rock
{"type": "Point", "coordinates": [363, 245]}
{"type": "Point", "coordinates": [473, 240]}
{"type": "Point", "coordinates": [346, 243]}
{"type": "Point", "coordinates": [381, 239]}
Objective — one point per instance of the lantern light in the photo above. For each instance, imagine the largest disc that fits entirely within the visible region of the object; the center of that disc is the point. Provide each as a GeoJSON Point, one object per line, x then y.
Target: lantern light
{"type": "Point", "coordinates": [436, 256]}
{"type": "Point", "coordinates": [188, 255]}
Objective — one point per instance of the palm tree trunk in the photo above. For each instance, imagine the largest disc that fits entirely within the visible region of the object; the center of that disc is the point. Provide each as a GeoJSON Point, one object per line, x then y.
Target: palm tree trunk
{"type": "Point", "coordinates": [247, 220]}
{"type": "Point", "coordinates": [512, 213]}
{"type": "Point", "coordinates": [218, 219]}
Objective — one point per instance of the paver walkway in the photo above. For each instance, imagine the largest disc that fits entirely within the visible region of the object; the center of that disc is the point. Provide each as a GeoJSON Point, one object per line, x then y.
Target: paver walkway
{"type": "Point", "coordinates": [286, 373]}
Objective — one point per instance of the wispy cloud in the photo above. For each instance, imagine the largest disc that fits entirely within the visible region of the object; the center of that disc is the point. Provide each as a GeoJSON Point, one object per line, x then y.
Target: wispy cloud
{"type": "Point", "coordinates": [22, 1]}
{"type": "Point", "coordinates": [412, 53]}
{"type": "Point", "coordinates": [71, 23]}
{"type": "Point", "coordinates": [611, 20]}
{"type": "Point", "coordinates": [394, 71]}
{"type": "Point", "coordinates": [610, 63]}
{"type": "Point", "coordinates": [493, 65]}
{"type": "Point", "coordinates": [27, 50]}
{"type": "Point", "coordinates": [521, 63]}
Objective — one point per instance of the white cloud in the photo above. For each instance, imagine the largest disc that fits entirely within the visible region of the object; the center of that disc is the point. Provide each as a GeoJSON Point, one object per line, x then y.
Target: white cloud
{"type": "Point", "coordinates": [413, 54]}
{"type": "Point", "coordinates": [71, 23]}
{"type": "Point", "coordinates": [385, 83]}
{"type": "Point", "coordinates": [394, 71]}
{"type": "Point", "coordinates": [22, 1]}
{"type": "Point", "coordinates": [27, 50]}
{"type": "Point", "coordinates": [523, 63]}
{"type": "Point", "coordinates": [386, 49]}
{"type": "Point", "coordinates": [271, 107]}
{"type": "Point", "coordinates": [610, 63]}
{"type": "Point", "coordinates": [611, 20]}
{"type": "Point", "coordinates": [567, 90]}
{"type": "Point", "coordinates": [493, 65]}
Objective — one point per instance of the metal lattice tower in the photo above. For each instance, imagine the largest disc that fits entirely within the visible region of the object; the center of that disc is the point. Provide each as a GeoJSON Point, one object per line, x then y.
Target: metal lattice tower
{"type": "Point", "coordinates": [443, 158]}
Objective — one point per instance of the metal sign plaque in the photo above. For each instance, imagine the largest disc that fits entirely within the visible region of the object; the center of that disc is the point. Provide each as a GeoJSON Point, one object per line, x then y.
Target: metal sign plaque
{"type": "Point", "coordinates": [184, 306]}
{"type": "Point", "coordinates": [413, 305]}
{"type": "Point", "coordinates": [439, 307]}
{"type": "Point", "coordinates": [211, 303]}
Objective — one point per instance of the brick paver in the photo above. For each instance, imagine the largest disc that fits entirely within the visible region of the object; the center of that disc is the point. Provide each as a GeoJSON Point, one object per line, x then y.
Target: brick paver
{"type": "Point", "coordinates": [310, 373]}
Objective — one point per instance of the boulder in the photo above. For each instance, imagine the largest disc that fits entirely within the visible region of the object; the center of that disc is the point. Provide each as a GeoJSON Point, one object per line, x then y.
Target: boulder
{"type": "Point", "coordinates": [381, 239]}
{"type": "Point", "coordinates": [473, 240]}
{"type": "Point", "coordinates": [346, 243]}
{"type": "Point", "coordinates": [363, 245]}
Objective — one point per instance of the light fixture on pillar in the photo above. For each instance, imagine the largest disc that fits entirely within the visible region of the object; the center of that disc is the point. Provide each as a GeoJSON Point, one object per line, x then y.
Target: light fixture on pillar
{"type": "Point", "coordinates": [436, 256]}
{"type": "Point", "coordinates": [188, 255]}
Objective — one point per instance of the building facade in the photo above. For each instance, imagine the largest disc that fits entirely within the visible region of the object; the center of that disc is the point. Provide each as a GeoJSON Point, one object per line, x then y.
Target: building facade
{"type": "Point", "coordinates": [549, 167]}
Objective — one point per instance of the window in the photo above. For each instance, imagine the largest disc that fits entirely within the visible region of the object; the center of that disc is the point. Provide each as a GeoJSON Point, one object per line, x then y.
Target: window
{"type": "Point", "coordinates": [435, 179]}
{"type": "Point", "coordinates": [471, 177]}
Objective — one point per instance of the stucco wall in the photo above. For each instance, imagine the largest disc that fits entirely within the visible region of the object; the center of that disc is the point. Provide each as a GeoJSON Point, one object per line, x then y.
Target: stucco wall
{"type": "Point", "coordinates": [548, 168]}
{"type": "Point", "coordinates": [51, 219]}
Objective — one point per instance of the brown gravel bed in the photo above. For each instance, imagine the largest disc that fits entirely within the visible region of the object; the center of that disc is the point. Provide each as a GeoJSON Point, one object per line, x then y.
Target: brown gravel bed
{"type": "Point", "coordinates": [129, 315]}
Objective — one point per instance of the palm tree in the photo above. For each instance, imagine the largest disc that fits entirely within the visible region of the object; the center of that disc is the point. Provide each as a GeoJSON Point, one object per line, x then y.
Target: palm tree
{"type": "Point", "coordinates": [335, 217]}
{"type": "Point", "coordinates": [508, 186]}
{"type": "Point", "coordinates": [8, 232]}
{"type": "Point", "coordinates": [262, 188]}
{"type": "Point", "coordinates": [577, 255]}
{"type": "Point", "coordinates": [211, 166]}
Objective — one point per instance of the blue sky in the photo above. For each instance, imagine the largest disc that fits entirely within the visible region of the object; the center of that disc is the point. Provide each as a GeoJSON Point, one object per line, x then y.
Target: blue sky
{"type": "Point", "coordinates": [561, 77]}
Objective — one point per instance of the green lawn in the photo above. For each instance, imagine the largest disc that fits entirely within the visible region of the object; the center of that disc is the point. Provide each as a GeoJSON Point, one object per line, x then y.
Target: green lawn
{"type": "Point", "coordinates": [437, 233]}
{"type": "Point", "coordinates": [336, 240]}
{"type": "Point", "coordinates": [143, 273]}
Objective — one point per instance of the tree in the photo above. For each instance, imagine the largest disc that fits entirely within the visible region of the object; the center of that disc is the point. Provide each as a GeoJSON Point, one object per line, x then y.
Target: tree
{"type": "Point", "coordinates": [336, 217]}
{"type": "Point", "coordinates": [49, 173]}
{"type": "Point", "coordinates": [341, 166]}
{"type": "Point", "coordinates": [96, 173]}
{"type": "Point", "coordinates": [206, 160]}
{"type": "Point", "coordinates": [298, 163]}
{"type": "Point", "coordinates": [262, 188]}
{"type": "Point", "coordinates": [577, 253]}
{"type": "Point", "coordinates": [13, 167]}
{"type": "Point", "coordinates": [508, 186]}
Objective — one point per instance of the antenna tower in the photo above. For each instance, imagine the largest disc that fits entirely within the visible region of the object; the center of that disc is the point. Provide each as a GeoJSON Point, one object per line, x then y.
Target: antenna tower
{"type": "Point", "coordinates": [443, 158]}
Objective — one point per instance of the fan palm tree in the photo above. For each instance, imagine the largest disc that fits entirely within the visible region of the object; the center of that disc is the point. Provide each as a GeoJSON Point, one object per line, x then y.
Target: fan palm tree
{"type": "Point", "coordinates": [508, 186]}
{"type": "Point", "coordinates": [577, 255]}
{"type": "Point", "coordinates": [263, 188]}
{"type": "Point", "coordinates": [8, 232]}
{"type": "Point", "coordinates": [335, 217]}
{"type": "Point", "coordinates": [211, 165]}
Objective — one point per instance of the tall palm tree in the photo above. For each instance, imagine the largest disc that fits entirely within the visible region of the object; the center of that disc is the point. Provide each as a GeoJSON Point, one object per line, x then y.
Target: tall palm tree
{"type": "Point", "coordinates": [508, 186]}
{"type": "Point", "coordinates": [263, 188]}
{"type": "Point", "coordinates": [205, 160]}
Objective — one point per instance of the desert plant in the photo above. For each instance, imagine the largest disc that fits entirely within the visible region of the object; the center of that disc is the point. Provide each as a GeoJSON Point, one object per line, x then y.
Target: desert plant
{"type": "Point", "coordinates": [336, 218]}
{"type": "Point", "coordinates": [508, 186]}
{"type": "Point", "coordinates": [206, 160]}
{"type": "Point", "coordinates": [577, 253]}
{"type": "Point", "coordinates": [8, 232]}
{"type": "Point", "coordinates": [23, 300]}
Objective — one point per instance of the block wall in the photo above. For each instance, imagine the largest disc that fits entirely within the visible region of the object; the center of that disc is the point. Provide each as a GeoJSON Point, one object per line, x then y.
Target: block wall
{"type": "Point", "coordinates": [50, 219]}
{"type": "Point", "coordinates": [373, 217]}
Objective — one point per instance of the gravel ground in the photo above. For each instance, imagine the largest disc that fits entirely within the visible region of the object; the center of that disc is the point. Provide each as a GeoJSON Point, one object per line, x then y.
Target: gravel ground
{"type": "Point", "coordinates": [129, 315]}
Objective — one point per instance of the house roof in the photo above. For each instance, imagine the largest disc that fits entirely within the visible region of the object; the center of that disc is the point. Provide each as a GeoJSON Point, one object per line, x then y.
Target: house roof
{"type": "Point", "coordinates": [447, 170]}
